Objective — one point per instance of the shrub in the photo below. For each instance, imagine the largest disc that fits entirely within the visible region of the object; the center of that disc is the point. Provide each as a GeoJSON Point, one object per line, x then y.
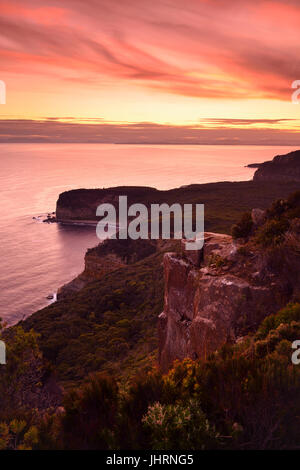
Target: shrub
{"type": "Point", "coordinates": [179, 426]}
{"type": "Point", "coordinates": [286, 315]}
{"type": "Point", "coordinates": [278, 208]}
{"type": "Point", "coordinates": [18, 435]}
{"type": "Point", "coordinates": [243, 228]}
{"type": "Point", "coordinates": [272, 232]}
{"type": "Point", "coordinates": [90, 415]}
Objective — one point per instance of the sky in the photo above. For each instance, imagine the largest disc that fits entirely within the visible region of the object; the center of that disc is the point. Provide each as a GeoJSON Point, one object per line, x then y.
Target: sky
{"type": "Point", "coordinates": [150, 71]}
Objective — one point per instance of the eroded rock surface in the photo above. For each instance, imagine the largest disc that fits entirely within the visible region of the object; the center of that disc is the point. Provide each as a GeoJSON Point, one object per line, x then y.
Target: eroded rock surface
{"type": "Point", "coordinates": [223, 298]}
{"type": "Point", "coordinates": [105, 258]}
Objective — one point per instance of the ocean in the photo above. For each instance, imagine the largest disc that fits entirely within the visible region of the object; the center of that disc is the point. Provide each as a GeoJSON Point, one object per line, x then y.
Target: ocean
{"type": "Point", "coordinates": [37, 258]}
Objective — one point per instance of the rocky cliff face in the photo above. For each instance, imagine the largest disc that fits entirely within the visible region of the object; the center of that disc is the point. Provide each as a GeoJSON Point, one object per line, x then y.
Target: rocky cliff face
{"type": "Point", "coordinates": [282, 168]}
{"type": "Point", "coordinates": [105, 258]}
{"type": "Point", "coordinates": [95, 267]}
{"type": "Point", "coordinates": [219, 295]}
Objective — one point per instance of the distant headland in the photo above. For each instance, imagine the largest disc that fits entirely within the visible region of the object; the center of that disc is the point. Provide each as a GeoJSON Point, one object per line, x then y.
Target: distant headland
{"type": "Point", "coordinates": [283, 168]}
{"type": "Point", "coordinates": [282, 175]}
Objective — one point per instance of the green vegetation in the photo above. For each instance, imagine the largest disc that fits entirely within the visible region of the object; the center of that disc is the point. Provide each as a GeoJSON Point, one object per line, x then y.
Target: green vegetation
{"type": "Point", "coordinates": [128, 250]}
{"type": "Point", "coordinates": [180, 425]}
{"type": "Point", "coordinates": [244, 396]}
{"type": "Point", "coordinates": [272, 232]}
{"type": "Point", "coordinates": [224, 202]}
{"type": "Point", "coordinates": [101, 345]}
{"type": "Point", "coordinates": [17, 435]}
{"type": "Point", "coordinates": [21, 376]}
{"type": "Point", "coordinates": [287, 315]}
{"type": "Point", "coordinates": [110, 325]}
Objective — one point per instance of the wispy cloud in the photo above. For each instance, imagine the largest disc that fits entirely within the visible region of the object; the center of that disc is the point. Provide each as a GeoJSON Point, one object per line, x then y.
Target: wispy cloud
{"type": "Point", "coordinates": [204, 48]}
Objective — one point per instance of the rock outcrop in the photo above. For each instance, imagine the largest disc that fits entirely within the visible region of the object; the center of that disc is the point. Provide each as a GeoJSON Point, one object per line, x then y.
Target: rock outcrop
{"type": "Point", "coordinates": [95, 267]}
{"type": "Point", "coordinates": [223, 297]}
{"type": "Point", "coordinates": [105, 258]}
{"type": "Point", "coordinates": [283, 168]}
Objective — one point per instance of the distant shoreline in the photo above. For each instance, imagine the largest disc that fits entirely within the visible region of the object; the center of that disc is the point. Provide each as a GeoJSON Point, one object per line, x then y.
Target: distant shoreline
{"type": "Point", "coordinates": [184, 144]}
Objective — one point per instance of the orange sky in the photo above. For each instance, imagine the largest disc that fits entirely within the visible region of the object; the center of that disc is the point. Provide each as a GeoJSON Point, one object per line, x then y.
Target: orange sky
{"type": "Point", "coordinates": [207, 71]}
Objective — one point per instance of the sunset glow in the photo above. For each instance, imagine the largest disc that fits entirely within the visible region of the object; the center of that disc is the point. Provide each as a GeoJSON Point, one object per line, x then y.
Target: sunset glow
{"type": "Point", "coordinates": [222, 68]}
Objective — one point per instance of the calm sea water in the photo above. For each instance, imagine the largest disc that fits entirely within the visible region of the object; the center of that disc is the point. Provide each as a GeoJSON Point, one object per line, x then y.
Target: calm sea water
{"type": "Point", "coordinates": [37, 258]}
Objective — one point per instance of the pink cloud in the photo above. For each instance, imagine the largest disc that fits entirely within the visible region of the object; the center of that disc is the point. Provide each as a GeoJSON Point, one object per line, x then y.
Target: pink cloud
{"type": "Point", "coordinates": [203, 48]}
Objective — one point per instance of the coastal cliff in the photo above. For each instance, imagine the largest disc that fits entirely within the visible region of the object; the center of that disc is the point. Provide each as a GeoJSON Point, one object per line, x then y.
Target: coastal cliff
{"type": "Point", "coordinates": [223, 293]}
{"type": "Point", "coordinates": [107, 330]}
{"type": "Point", "coordinates": [282, 168]}
{"type": "Point", "coordinates": [80, 205]}
{"type": "Point", "coordinates": [225, 287]}
{"type": "Point", "coordinates": [222, 206]}
{"type": "Point", "coordinates": [105, 258]}
{"type": "Point", "coordinates": [95, 267]}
